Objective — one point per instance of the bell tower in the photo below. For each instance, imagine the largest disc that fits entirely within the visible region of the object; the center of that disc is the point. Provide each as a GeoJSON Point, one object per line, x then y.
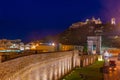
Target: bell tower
{"type": "Point", "coordinates": [113, 21]}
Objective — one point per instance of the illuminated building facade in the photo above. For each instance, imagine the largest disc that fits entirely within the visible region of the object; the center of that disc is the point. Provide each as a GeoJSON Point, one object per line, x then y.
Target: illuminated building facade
{"type": "Point", "coordinates": [88, 21]}
{"type": "Point", "coordinates": [10, 45]}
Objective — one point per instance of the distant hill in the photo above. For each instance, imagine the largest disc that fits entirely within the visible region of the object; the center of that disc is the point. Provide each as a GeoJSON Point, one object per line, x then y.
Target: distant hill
{"type": "Point", "coordinates": [78, 35]}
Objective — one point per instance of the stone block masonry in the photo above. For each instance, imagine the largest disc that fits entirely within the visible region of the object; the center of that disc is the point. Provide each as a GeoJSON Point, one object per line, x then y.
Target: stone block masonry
{"type": "Point", "coordinates": [48, 66]}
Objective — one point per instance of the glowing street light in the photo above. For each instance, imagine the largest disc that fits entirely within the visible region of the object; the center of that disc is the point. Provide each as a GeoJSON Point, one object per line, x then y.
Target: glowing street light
{"type": "Point", "coordinates": [33, 47]}
{"type": "Point", "coordinates": [53, 44]}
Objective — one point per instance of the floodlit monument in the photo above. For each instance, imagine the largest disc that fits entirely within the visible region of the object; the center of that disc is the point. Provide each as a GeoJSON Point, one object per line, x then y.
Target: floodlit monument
{"type": "Point", "coordinates": [88, 21]}
{"type": "Point", "coordinates": [94, 44]}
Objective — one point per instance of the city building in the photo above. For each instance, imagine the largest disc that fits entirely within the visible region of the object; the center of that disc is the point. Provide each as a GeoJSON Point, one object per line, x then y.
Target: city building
{"type": "Point", "coordinates": [10, 45]}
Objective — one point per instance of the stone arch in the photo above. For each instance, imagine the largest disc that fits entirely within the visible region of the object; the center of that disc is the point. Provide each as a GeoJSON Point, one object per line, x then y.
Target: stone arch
{"type": "Point", "coordinates": [94, 44]}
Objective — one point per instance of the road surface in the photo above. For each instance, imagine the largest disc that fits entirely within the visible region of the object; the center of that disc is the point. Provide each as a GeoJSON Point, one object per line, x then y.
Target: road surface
{"type": "Point", "coordinates": [115, 75]}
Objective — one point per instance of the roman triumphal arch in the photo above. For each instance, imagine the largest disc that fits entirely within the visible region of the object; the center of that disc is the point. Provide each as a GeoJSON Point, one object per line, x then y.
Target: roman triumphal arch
{"type": "Point", "coordinates": [94, 44]}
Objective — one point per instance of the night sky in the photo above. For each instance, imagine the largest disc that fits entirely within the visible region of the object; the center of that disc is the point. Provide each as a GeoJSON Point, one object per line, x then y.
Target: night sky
{"type": "Point", "coordinates": [33, 19]}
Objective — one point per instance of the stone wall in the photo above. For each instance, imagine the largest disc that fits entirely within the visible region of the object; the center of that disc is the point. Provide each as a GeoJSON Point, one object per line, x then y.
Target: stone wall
{"type": "Point", "coordinates": [49, 66]}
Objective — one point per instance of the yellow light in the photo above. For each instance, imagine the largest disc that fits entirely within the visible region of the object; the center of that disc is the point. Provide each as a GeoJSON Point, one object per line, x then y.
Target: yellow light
{"type": "Point", "coordinates": [37, 45]}
{"type": "Point", "coordinates": [110, 68]}
{"type": "Point", "coordinates": [108, 60]}
{"type": "Point", "coordinates": [33, 47]}
{"type": "Point", "coordinates": [115, 68]}
{"type": "Point", "coordinates": [53, 44]}
{"type": "Point", "coordinates": [100, 58]}
{"type": "Point", "coordinates": [110, 71]}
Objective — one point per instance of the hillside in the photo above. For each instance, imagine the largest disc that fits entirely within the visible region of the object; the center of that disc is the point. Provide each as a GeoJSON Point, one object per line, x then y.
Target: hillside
{"type": "Point", "coordinates": [78, 32]}
{"type": "Point", "coordinates": [78, 35]}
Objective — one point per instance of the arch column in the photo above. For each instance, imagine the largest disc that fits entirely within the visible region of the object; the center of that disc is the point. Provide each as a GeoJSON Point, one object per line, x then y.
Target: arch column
{"type": "Point", "coordinates": [55, 72]}
{"type": "Point", "coordinates": [73, 63]}
{"type": "Point", "coordinates": [94, 58]}
{"type": "Point", "coordinates": [84, 63]}
{"type": "Point", "coordinates": [33, 75]}
{"type": "Point", "coordinates": [68, 65]}
{"type": "Point", "coordinates": [77, 61]}
{"type": "Point", "coordinates": [91, 59]}
{"type": "Point", "coordinates": [37, 74]}
{"type": "Point", "coordinates": [59, 69]}
{"type": "Point", "coordinates": [50, 77]}
{"type": "Point", "coordinates": [44, 74]}
{"type": "Point", "coordinates": [63, 72]}
{"type": "Point", "coordinates": [65, 68]}
{"type": "Point", "coordinates": [87, 62]}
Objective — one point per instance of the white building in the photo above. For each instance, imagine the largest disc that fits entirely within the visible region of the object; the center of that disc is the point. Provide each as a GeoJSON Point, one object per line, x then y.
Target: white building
{"type": "Point", "coordinates": [113, 21]}
{"type": "Point", "coordinates": [10, 45]}
{"type": "Point", "coordinates": [88, 21]}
